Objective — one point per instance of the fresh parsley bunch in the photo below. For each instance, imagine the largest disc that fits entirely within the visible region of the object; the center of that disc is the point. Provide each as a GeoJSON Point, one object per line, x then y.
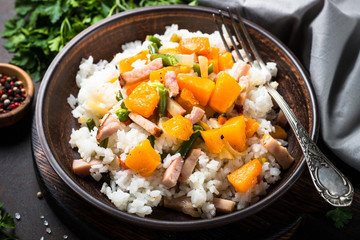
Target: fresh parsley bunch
{"type": "Point", "coordinates": [6, 221]}
{"type": "Point", "coordinates": [41, 28]}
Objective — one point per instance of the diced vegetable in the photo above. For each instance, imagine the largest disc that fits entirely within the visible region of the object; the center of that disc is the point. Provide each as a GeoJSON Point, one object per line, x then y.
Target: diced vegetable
{"type": "Point", "coordinates": [196, 68]}
{"type": "Point", "coordinates": [143, 159]}
{"type": "Point", "coordinates": [122, 114]}
{"type": "Point", "coordinates": [186, 145]}
{"type": "Point", "coordinates": [187, 100]}
{"type": "Point", "coordinates": [246, 176]}
{"type": "Point", "coordinates": [203, 63]}
{"type": "Point", "coordinates": [213, 57]}
{"type": "Point", "coordinates": [185, 69]}
{"type": "Point", "coordinates": [159, 75]}
{"type": "Point", "coordinates": [125, 64]}
{"type": "Point", "coordinates": [203, 125]}
{"type": "Point", "coordinates": [97, 106]}
{"type": "Point", "coordinates": [163, 101]}
{"type": "Point", "coordinates": [119, 96]}
{"type": "Point", "coordinates": [221, 119]}
{"type": "Point", "coordinates": [251, 126]}
{"type": "Point", "coordinates": [153, 48]}
{"type": "Point", "coordinates": [213, 139]}
{"type": "Point", "coordinates": [234, 131]}
{"type": "Point", "coordinates": [151, 138]}
{"type": "Point", "coordinates": [279, 133]}
{"type": "Point", "coordinates": [202, 88]}
{"type": "Point", "coordinates": [172, 51]}
{"type": "Point", "coordinates": [174, 108]}
{"type": "Point", "coordinates": [198, 45]}
{"type": "Point", "coordinates": [175, 38]}
{"type": "Point", "coordinates": [185, 59]}
{"type": "Point", "coordinates": [168, 60]}
{"type": "Point", "coordinates": [225, 61]}
{"type": "Point", "coordinates": [90, 123]}
{"type": "Point", "coordinates": [155, 40]}
{"type": "Point", "coordinates": [143, 100]}
{"type": "Point", "coordinates": [179, 127]}
{"type": "Point", "coordinates": [104, 143]}
{"type": "Point", "coordinates": [225, 93]}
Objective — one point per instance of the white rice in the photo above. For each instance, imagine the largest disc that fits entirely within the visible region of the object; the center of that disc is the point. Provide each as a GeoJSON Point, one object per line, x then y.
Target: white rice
{"type": "Point", "coordinates": [138, 195]}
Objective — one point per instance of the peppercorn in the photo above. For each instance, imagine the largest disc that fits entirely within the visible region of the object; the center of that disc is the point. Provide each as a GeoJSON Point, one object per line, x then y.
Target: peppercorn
{"type": "Point", "coordinates": [12, 93]}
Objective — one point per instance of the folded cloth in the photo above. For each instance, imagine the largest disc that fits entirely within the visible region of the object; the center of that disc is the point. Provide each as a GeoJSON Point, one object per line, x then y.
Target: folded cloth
{"type": "Point", "coordinates": [325, 36]}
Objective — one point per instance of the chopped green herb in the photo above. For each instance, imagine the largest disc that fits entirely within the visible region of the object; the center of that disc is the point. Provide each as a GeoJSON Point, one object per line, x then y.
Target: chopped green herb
{"type": "Point", "coordinates": [40, 29]}
{"type": "Point", "coordinates": [163, 101]}
{"type": "Point", "coordinates": [90, 123]}
{"type": "Point", "coordinates": [6, 221]}
{"type": "Point", "coordinates": [152, 140]}
{"type": "Point", "coordinates": [105, 177]}
{"type": "Point", "coordinates": [119, 96]}
{"type": "Point", "coordinates": [104, 143]}
{"type": "Point", "coordinates": [186, 145]}
{"type": "Point", "coordinates": [340, 216]}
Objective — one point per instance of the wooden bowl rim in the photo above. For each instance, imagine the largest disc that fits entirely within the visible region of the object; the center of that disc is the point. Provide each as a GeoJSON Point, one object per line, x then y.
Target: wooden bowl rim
{"type": "Point", "coordinates": [155, 223]}
{"type": "Point", "coordinates": [29, 85]}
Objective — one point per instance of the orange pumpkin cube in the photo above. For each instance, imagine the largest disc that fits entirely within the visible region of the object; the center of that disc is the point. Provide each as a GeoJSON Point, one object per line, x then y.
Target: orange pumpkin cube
{"type": "Point", "coordinates": [187, 100]}
{"type": "Point", "coordinates": [143, 100]}
{"type": "Point", "coordinates": [198, 45]}
{"type": "Point", "coordinates": [251, 126]}
{"type": "Point", "coordinates": [143, 159]}
{"type": "Point", "coordinates": [225, 93]}
{"type": "Point", "coordinates": [279, 133]}
{"type": "Point", "coordinates": [213, 140]}
{"type": "Point", "coordinates": [179, 127]}
{"type": "Point", "coordinates": [202, 88]}
{"type": "Point", "coordinates": [245, 177]}
{"type": "Point", "coordinates": [225, 61]}
{"type": "Point", "coordinates": [159, 75]}
{"type": "Point", "coordinates": [125, 64]}
{"type": "Point", "coordinates": [234, 131]}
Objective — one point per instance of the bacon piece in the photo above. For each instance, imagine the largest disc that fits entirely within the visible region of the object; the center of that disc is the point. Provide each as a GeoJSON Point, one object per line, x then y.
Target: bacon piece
{"type": "Point", "coordinates": [82, 168]}
{"type": "Point", "coordinates": [245, 83]}
{"type": "Point", "coordinates": [146, 124]}
{"type": "Point", "coordinates": [239, 69]}
{"type": "Point", "coordinates": [195, 115]}
{"type": "Point", "coordinates": [174, 107]}
{"type": "Point", "coordinates": [189, 164]}
{"type": "Point", "coordinates": [171, 83]}
{"type": "Point", "coordinates": [172, 173]}
{"type": "Point", "coordinates": [280, 153]}
{"type": "Point", "coordinates": [182, 204]}
{"type": "Point", "coordinates": [110, 126]}
{"type": "Point", "coordinates": [224, 205]}
{"type": "Point", "coordinates": [141, 73]}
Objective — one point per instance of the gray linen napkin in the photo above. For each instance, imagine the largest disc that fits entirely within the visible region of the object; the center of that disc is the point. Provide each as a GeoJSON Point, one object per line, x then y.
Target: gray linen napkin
{"type": "Point", "coordinates": [325, 36]}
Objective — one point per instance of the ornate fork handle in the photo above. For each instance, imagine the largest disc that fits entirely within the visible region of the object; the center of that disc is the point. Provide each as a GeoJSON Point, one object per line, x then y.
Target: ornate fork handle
{"type": "Point", "coordinates": [332, 185]}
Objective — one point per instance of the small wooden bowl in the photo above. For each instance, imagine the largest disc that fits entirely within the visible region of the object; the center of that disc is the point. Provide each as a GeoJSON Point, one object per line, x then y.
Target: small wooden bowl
{"type": "Point", "coordinates": [13, 116]}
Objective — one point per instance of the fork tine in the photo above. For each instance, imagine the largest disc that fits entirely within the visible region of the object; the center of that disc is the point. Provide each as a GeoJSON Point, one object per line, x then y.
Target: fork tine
{"type": "Point", "coordinates": [251, 43]}
{"type": "Point", "coordinates": [239, 37]}
{"type": "Point", "coordinates": [222, 34]}
{"type": "Point", "coordinates": [231, 36]}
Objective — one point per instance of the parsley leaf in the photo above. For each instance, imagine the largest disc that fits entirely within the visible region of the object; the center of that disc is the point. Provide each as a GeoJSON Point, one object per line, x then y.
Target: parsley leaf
{"type": "Point", "coordinates": [340, 216]}
{"type": "Point", "coordinates": [41, 28]}
{"type": "Point", "coordinates": [6, 221]}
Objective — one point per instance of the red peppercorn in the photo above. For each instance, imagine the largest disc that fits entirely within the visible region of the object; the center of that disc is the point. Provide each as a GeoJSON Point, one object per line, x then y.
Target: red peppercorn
{"type": "Point", "coordinates": [11, 83]}
{"type": "Point", "coordinates": [13, 106]}
{"type": "Point", "coordinates": [17, 104]}
{"type": "Point", "coordinates": [2, 91]}
{"type": "Point", "coordinates": [10, 91]}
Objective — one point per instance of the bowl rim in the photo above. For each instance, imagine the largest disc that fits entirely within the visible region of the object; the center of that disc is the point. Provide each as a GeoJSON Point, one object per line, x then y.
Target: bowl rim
{"type": "Point", "coordinates": [29, 93]}
{"type": "Point", "coordinates": [165, 224]}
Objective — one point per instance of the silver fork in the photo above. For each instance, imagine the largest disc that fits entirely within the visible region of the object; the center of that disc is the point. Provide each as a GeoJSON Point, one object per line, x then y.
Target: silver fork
{"type": "Point", "coordinates": [331, 184]}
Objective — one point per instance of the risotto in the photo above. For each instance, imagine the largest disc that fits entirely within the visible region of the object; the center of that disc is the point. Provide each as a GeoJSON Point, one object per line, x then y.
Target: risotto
{"type": "Point", "coordinates": [173, 121]}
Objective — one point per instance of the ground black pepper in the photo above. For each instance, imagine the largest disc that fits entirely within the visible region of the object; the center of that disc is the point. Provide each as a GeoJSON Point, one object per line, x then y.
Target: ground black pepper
{"type": "Point", "coordinates": [12, 93]}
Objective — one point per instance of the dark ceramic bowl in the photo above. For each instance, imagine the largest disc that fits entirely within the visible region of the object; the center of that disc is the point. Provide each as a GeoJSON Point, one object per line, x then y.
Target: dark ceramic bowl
{"type": "Point", "coordinates": [102, 41]}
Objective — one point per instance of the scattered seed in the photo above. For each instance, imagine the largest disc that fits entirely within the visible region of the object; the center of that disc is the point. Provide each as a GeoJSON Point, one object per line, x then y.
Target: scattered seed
{"type": "Point", "coordinates": [46, 223]}
{"type": "Point", "coordinates": [17, 216]}
{"type": "Point", "coordinates": [48, 230]}
{"type": "Point", "coordinates": [39, 195]}
{"type": "Point", "coordinates": [42, 217]}
{"type": "Point", "coordinates": [65, 237]}
{"type": "Point", "coordinates": [42, 238]}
